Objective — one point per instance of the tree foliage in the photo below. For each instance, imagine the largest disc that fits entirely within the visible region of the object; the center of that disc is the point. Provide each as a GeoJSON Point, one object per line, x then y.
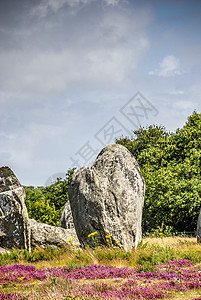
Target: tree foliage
{"type": "Point", "coordinates": [44, 204]}
{"type": "Point", "coordinates": [170, 163]}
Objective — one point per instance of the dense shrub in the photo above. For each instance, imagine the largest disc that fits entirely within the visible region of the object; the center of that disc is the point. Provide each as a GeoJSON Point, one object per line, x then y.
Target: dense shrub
{"type": "Point", "coordinates": [170, 163]}
{"type": "Point", "coordinates": [44, 204]}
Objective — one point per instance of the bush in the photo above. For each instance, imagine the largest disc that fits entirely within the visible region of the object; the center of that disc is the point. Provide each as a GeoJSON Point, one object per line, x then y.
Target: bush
{"type": "Point", "coordinates": [170, 164]}
{"type": "Point", "coordinates": [44, 204]}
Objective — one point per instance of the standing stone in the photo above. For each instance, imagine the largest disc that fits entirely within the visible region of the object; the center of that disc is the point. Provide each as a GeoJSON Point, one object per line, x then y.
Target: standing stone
{"type": "Point", "coordinates": [108, 198]}
{"type": "Point", "coordinates": [66, 218]}
{"type": "Point", "coordinates": [199, 228]}
{"type": "Point", "coordinates": [14, 220]}
{"type": "Point", "coordinates": [45, 235]}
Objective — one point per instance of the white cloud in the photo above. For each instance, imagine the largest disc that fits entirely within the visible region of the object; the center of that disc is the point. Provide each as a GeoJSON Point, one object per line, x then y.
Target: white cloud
{"type": "Point", "coordinates": [102, 52]}
{"type": "Point", "coordinates": [58, 72]}
{"type": "Point", "coordinates": [169, 67]}
{"type": "Point", "coordinates": [112, 2]}
{"type": "Point", "coordinates": [185, 105]}
{"type": "Point", "coordinates": [175, 92]}
{"type": "Point", "coordinates": [42, 9]}
{"type": "Point", "coordinates": [45, 6]}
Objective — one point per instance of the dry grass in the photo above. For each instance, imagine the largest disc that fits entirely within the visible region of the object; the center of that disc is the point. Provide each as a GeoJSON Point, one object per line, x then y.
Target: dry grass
{"type": "Point", "coordinates": [175, 242]}
{"type": "Point", "coordinates": [172, 247]}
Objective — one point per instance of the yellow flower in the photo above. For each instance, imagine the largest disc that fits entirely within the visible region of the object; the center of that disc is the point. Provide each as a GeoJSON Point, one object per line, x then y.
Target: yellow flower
{"type": "Point", "coordinates": [93, 233]}
{"type": "Point", "coordinates": [117, 242]}
{"type": "Point", "coordinates": [21, 278]}
{"type": "Point", "coordinates": [70, 240]}
{"type": "Point", "coordinates": [34, 282]}
{"type": "Point", "coordinates": [108, 236]}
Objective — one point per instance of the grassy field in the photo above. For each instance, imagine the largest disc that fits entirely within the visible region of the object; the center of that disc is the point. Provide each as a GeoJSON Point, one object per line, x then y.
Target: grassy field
{"type": "Point", "coordinates": [161, 268]}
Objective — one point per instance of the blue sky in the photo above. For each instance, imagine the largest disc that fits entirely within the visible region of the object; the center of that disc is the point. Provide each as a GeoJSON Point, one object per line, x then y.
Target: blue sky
{"type": "Point", "coordinates": [76, 73]}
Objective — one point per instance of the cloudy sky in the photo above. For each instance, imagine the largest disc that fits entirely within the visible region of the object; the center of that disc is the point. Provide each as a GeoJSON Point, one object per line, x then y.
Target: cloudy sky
{"type": "Point", "coordinates": [76, 73]}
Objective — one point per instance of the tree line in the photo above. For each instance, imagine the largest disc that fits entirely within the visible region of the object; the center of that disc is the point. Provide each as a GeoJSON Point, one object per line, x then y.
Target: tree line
{"type": "Point", "coordinates": [170, 163]}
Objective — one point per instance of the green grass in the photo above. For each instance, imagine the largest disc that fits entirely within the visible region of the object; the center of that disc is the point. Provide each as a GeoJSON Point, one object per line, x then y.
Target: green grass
{"type": "Point", "coordinates": [150, 252]}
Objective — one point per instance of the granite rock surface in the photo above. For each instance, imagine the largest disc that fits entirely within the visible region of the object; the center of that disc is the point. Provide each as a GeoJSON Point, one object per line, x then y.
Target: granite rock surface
{"type": "Point", "coordinates": [45, 235]}
{"type": "Point", "coordinates": [14, 220]}
{"type": "Point", "coordinates": [107, 199]}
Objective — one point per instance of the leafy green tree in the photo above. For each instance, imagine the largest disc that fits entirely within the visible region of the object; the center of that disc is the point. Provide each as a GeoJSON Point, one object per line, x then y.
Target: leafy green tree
{"type": "Point", "coordinates": [170, 163]}
{"type": "Point", "coordinates": [57, 193]}
{"type": "Point", "coordinates": [40, 208]}
{"type": "Point", "coordinates": [44, 204]}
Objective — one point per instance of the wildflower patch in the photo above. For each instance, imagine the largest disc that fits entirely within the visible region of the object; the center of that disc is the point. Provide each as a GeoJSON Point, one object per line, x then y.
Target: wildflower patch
{"type": "Point", "coordinates": [100, 282]}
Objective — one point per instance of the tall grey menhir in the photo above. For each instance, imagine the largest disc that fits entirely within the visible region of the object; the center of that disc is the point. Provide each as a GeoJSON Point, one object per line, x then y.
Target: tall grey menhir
{"type": "Point", "coordinates": [108, 198]}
